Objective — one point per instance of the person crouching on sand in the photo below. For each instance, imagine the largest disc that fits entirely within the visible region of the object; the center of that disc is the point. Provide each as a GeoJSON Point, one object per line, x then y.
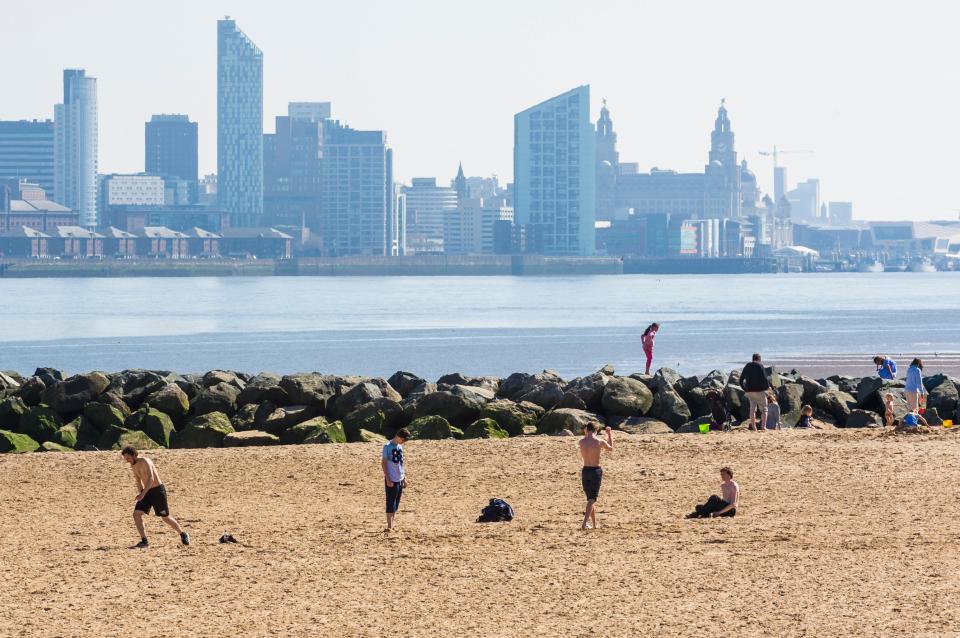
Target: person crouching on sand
{"type": "Point", "coordinates": [394, 474]}
{"type": "Point", "coordinates": [592, 475]}
{"type": "Point", "coordinates": [725, 505]}
{"type": "Point", "coordinates": [151, 493]}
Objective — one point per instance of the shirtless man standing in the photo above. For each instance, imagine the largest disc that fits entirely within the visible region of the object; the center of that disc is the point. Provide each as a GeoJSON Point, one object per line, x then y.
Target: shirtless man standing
{"type": "Point", "coordinates": [151, 493]}
{"type": "Point", "coordinates": [591, 475]}
{"type": "Point", "coordinates": [717, 505]}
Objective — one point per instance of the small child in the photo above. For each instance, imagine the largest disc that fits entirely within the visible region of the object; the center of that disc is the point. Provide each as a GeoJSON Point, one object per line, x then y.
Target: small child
{"type": "Point", "coordinates": [773, 413]}
{"type": "Point", "coordinates": [806, 417]}
{"type": "Point", "coordinates": [888, 417]}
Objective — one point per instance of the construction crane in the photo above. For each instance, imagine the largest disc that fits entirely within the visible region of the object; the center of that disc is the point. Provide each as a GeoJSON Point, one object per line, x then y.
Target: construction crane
{"type": "Point", "coordinates": [776, 153]}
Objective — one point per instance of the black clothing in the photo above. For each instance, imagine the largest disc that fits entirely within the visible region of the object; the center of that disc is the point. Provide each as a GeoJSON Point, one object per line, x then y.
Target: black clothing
{"type": "Point", "coordinates": [713, 504]}
{"type": "Point", "coordinates": [590, 478]}
{"type": "Point", "coordinates": [156, 497]}
{"type": "Point", "coordinates": [754, 378]}
{"type": "Point", "coordinates": [393, 496]}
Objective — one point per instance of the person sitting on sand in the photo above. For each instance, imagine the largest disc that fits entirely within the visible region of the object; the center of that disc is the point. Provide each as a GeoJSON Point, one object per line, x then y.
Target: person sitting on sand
{"type": "Point", "coordinates": [773, 412]}
{"type": "Point", "coordinates": [592, 475]}
{"type": "Point", "coordinates": [724, 505]}
{"type": "Point", "coordinates": [806, 417]}
{"type": "Point", "coordinates": [394, 473]}
{"type": "Point", "coordinates": [910, 421]}
{"type": "Point", "coordinates": [888, 415]}
{"type": "Point", "coordinates": [151, 493]}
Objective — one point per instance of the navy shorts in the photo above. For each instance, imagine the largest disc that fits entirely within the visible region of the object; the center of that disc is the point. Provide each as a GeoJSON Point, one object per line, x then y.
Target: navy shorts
{"type": "Point", "coordinates": [590, 478]}
{"type": "Point", "coordinates": [393, 496]}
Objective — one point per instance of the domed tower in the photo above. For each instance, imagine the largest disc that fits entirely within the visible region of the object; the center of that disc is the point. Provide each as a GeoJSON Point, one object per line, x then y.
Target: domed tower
{"type": "Point", "coordinates": [608, 165]}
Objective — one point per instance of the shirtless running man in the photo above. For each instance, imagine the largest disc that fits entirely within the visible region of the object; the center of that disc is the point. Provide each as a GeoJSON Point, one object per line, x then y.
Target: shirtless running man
{"type": "Point", "coordinates": [151, 493]}
{"type": "Point", "coordinates": [591, 475]}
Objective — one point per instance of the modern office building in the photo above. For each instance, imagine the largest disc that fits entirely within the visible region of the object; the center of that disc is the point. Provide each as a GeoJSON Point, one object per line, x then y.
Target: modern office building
{"type": "Point", "coordinates": [805, 201]}
{"type": "Point", "coordinates": [292, 180]}
{"type": "Point", "coordinates": [312, 111]}
{"type": "Point", "coordinates": [397, 227]}
{"type": "Point", "coordinates": [427, 206]}
{"type": "Point", "coordinates": [170, 148]}
{"type": "Point", "coordinates": [840, 213]}
{"type": "Point", "coordinates": [26, 151]}
{"type": "Point", "coordinates": [75, 146]}
{"type": "Point", "coordinates": [25, 205]}
{"type": "Point", "coordinates": [470, 228]}
{"type": "Point", "coordinates": [357, 191]}
{"type": "Point", "coordinates": [239, 125]}
{"type": "Point", "coordinates": [554, 173]}
{"type": "Point", "coordinates": [131, 190]}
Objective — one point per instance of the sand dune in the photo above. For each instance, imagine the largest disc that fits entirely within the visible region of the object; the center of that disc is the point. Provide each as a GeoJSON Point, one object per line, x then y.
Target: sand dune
{"type": "Point", "coordinates": [841, 533]}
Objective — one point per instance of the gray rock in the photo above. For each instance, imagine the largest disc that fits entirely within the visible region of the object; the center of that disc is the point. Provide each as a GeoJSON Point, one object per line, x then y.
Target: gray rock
{"type": "Point", "coordinates": [643, 425]}
{"type": "Point", "coordinates": [133, 386]}
{"type": "Point", "coordinates": [69, 397]}
{"type": "Point", "coordinates": [215, 377]}
{"type": "Point", "coordinates": [11, 409]}
{"type": "Point", "coordinates": [282, 418]}
{"type": "Point", "coordinates": [32, 390]}
{"type": "Point", "coordinates": [790, 400]}
{"type": "Point", "coordinates": [310, 389]}
{"type": "Point", "coordinates": [623, 396]}
{"type": "Point", "coordinates": [318, 429]}
{"type": "Point", "coordinates": [40, 423]}
{"type": "Point", "coordinates": [665, 378]}
{"type": "Point", "coordinates": [458, 409]}
{"type": "Point", "coordinates": [837, 403]}
{"type": "Point", "coordinates": [383, 416]}
{"type": "Point", "coordinates": [221, 397]}
{"type": "Point", "coordinates": [485, 429]}
{"type": "Point", "coordinates": [49, 376]}
{"type": "Point", "coordinates": [944, 397]}
{"type": "Point", "coordinates": [567, 419]}
{"type": "Point", "coordinates": [520, 383]}
{"type": "Point", "coordinates": [511, 417]}
{"type": "Point", "coordinates": [571, 401]}
{"type": "Point", "coordinates": [670, 408]}
{"type": "Point", "coordinates": [589, 389]}
{"type": "Point", "coordinates": [207, 430]}
{"type": "Point", "coordinates": [249, 438]}
{"type": "Point", "coordinates": [404, 382]}
{"type": "Point", "coordinates": [811, 388]}
{"type": "Point", "coordinates": [863, 419]}
{"type": "Point", "coordinates": [431, 427]}
{"type": "Point", "coordinates": [170, 400]}
{"type": "Point", "coordinates": [547, 395]}
{"type": "Point", "coordinates": [246, 417]}
{"type": "Point", "coordinates": [263, 387]}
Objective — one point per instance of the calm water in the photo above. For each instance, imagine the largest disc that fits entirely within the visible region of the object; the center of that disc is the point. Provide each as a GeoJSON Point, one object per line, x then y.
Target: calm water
{"type": "Point", "coordinates": [476, 325]}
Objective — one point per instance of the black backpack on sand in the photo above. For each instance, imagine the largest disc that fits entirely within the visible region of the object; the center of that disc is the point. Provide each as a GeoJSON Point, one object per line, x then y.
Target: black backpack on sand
{"type": "Point", "coordinates": [497, 511]}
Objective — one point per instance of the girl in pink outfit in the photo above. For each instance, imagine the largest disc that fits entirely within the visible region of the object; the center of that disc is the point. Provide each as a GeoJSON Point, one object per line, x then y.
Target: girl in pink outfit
{"type": "Point", "coordinates": [647, 340]}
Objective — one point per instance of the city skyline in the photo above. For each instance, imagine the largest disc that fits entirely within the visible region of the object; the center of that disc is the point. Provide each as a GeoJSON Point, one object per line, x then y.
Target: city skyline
{"type": "Point", "coordinates": [853, 101]}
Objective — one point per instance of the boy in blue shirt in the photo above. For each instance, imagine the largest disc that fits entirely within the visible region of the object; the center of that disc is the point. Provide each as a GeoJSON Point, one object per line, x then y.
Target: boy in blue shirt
{"type": "Point", "coordinates": [394, 475]}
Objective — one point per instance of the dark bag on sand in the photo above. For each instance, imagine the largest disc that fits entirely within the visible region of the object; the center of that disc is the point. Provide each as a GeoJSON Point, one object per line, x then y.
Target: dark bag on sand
{"type": "Point", "coordinates": [496, 512]}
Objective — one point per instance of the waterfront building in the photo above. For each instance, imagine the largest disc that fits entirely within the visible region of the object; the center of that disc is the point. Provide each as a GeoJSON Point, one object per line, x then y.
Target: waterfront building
{"type": "Point", "coordinates": [118, 243]}
{"type": "Point", "coordinates": [203, 243]}
{"type": "Point", "coordinates": [134, 218]}
{"type": "Point", "coordinates": [25, 205]}
{"type": "Point", "coordinates": [130, 190]}
{"type": "Point", "coordinates": [427, 206]}
{"type": "Point", "coordinates": [162, 242]}
{"type": "Point", "coordinates": [75, 146]}
{"type": "Point", "coordinates": [170, 150]}
{"type": "Point", "coordinates": [357, 191]}
{"type": "Point", "coordinates": [24, 243]}
{"type": "Point", "coordinates": [207, 190]}
{"type": "Point", "coordinates": [239, 125]}
{"type": "Point", "coordinates": [261, 243]}
{"type": "Point", "coordinates": [309, 111]}
{"type": "Point", "coordinates": [840, 213]}
{"type": "Point", "coordinates": [805, 201]}
{"type": "Point", "coordinates": [470, 228]}
{"type": "Point", "coordinates": [554, 174]}
{"type": "Point", "coordinates": [292, 178]}
{"type": "Point", "coordinates": [75, 242]}
{"type": "Point", "coordinates": [398, 223]}
{"type": "Point", "coordinates": [26, 151]}
{"type": "Point", "coordinates": [608, 166]}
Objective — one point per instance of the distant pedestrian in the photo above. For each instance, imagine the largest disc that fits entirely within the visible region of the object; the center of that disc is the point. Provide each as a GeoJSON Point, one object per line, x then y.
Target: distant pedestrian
{"type": "Point", "coordinates": [152, 493]}
{"type": "Point", "coordinates": [915, 391]}
{"type": "Point", "coordinates": [724, 505]}
{"type": "Point", "coordinates": [591, 475]}
{"type": "Point", "coordinates": [773, 412]}
{"type": "Point", "coordinates": [753, 380]}
{"type": "Point", "coordinates": [886, 367]}
{"type": "Point", "coordinates": [394, 473]}
{"type": "Point", "coordinates": [649, 335]}
{"type": "Point", "coordinates": [888, 415]}
{"type": "Point", "coordinates": [806, 417]}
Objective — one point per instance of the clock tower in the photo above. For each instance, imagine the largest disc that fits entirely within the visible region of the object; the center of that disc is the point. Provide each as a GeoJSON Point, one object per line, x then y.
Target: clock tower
{"type": "Point", "coordinates": [721, 140]}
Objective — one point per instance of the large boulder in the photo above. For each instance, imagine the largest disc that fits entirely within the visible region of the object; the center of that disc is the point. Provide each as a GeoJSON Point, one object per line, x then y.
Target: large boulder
{"type": "Point", "coordinates": [866, 392]}
{"type": "Point", "coordinates": [282, 418]}
{"type": "Point", "coordinates": [171, 400]}
{"type": "Point", "coordinates": [137, 438]}
{"type": "Point", "coordinates": [249, 438]}
{"type": "Point", "coordinates": [713, 380]}
{"type": "Point", "coordinates": [381, 415]}
{"type": "Point", "coordinates": [156, 424]}
{"type": "Point", "coordinates": [478, 393]}
{"type": "Point", "coordinates": [837, 403]}
{"type": "Point", "coordinates": [88, 433]}
{"type": "Point", "coordinates": [246, 417]}
{"type": "Point", "coordinates": [546, 394]}
{"type": "Point", "coordinates": [790, 400]}
{"type": "Point", "coordinates": [456, 408]}
{"type": "Point", "coordinates": [811, 388]}
{"type": "Point", "coordinates": [215, 377]}
{"type": "Point", "coordinates": [571, 401]}
{"type": "Point", "coordinates": [404, 382]}
{"type": "Point", "coordinates": [669, 407]}
{"type": "Point", "coordinates": [50, 446]}
{"type": "Point", "coordinates": [31, 391]}
{"type": "Point", "coordinates": [485, 429]}
{"type": "Point", "coordinates": [944, 397]}
{"type": "Point", "coordinates": [103, 415]}
{"type": "Point", "coordinates": [40, 423]}
{"type": "Point", "coordinates": [366, 436]}
{"type": "Point", "coordinates": [67, 435]}
{"type": "Point", "coordinates": [263, 387]}
{"type": "Point", "coordinates": [520, 383]}
{"type": "Point", "coordinates": [511, 417]}
{"type": "Point", "coordinates": [310, 389]}
{"type": "Point", "coordinates": [589, 389]}
{"type": "Point", "coordinates": [487, 383]}
{"type": "Point", "coordinates": [69, 397]}
{"type": "Point", "coordinates": [319, 429]}
{"type": "Point", "coordinates": [665, 379]}
{"type": "Point", "coordinates": [642, 425]}
{"type": "Point", "coordinates": [206, 430]}
{"type": "Point", "coordinates": [696, 400]}
{"type": "Point", "coordinates": [133, 386]}
{"type": "Point", "coordinates": [567, 419]}
{"type": "Point", "coordinates": [736, 401]}
{"type": "Point", "coordinates": [11, 409]}
{"type": "Point", "coordinates": [16, 443]}
{"type": "Point", "coordinates": [431, 427]}
{"type": "Point", "coordinates": [115, 401]}
{"type": "Point", "coordinates": [221, 397]}
{"type": "Point", "coordinates": [48, 376]}
{"type": "Point", "coordinates": [863, 419]}
{"type": "Point", "coordinates": [624, 396]}
{"type": "Point", "coordinates": [363, 393]}
{"type": "Point", "coordinates": [9, 380]}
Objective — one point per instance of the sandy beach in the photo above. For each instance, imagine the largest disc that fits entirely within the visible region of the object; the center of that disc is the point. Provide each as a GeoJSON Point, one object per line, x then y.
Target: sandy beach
{"type": "Point", "coordinates": [840, 533]}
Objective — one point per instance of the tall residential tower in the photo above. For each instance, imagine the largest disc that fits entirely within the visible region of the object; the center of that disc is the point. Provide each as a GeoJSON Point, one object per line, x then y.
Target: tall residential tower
{"type": "Point", "coordinates": [75, 146]}
{"type": "Point", "coordinates": [239, 125]}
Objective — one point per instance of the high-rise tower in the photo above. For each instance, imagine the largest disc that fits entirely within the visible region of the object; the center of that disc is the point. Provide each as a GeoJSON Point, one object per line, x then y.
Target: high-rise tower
{"type": "Point", "coordinates": [75, 146]}
{"type": "Point", "coordinates": [239, 125]}
{"type": "Point", "coordinates": [460, 185]}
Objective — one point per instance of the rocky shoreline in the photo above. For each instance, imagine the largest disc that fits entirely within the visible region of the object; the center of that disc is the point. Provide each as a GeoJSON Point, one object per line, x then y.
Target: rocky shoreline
{"type": "Point", "coordinates": [161, 409]}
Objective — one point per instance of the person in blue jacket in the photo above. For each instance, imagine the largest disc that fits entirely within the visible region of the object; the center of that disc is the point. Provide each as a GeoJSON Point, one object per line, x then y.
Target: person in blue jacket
{"type": "Point", "coordinates": [915, 392]}
{"type": "Point", "coordinates": [886, 367]}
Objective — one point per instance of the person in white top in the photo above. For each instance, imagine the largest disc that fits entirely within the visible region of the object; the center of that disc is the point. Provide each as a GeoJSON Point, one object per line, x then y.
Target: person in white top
{"type": "Point", "coordinates": [394, 474]}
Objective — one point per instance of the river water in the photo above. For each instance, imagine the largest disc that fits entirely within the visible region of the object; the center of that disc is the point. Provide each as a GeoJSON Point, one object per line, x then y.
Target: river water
{"type": "Point", "coordinates": [476, 325]}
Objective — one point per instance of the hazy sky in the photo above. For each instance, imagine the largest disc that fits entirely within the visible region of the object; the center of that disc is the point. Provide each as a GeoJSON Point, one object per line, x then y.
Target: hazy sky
{"type": "Point", "coordinates": [872, 87]}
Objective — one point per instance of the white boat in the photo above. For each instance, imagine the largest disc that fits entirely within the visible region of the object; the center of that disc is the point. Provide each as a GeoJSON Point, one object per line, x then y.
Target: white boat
{"type": "Point", "coordinates": [870, 266]}
{"type": "Point", "coordinates": [922, 264]}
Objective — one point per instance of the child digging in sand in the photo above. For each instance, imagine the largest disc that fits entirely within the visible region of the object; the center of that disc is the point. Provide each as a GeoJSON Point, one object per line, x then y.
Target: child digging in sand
{"type": "Point", "coordinates": [806, 417]}
{"type": "Point", "coordinates": [591, 475]}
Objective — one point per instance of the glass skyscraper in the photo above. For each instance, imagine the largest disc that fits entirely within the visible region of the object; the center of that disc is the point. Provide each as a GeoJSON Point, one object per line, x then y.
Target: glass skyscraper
{"type": "Point", "coordinates": [239, 125]}
{"type": "Point", "coordinates": [26, 152]}
{"type": "Point", "coordinates": [75, 146]}
{"type": "Point", "coordinates": [554, 174]}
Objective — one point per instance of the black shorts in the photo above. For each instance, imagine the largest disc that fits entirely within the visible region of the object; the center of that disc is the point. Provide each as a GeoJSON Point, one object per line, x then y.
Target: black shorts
{"type": "Point", "coordinates": [156, 497]}
{"type": "Point", "coordinates": [393, 496]}
{"type": "Point", "coordinates": [590, 478]}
